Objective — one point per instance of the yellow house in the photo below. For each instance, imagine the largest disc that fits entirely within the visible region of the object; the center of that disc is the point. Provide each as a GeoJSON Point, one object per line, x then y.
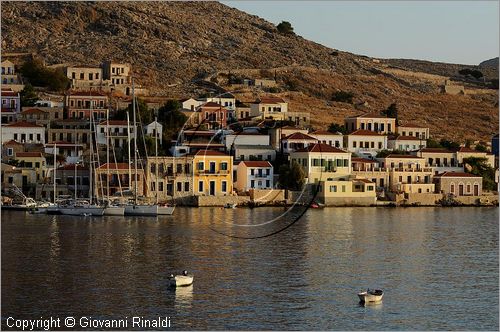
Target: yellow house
{"type": "Point", "coordinates": [355, 191]}
{"type": "Point", "coordinates": [212, 173]}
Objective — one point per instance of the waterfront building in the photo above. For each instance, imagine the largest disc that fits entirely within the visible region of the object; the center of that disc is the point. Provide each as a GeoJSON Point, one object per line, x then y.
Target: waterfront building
{"type": "Point", "coordinates": [245, 138]}
{"type": "Point", "coordinates": [459, 184]}
{"type": "Point", "coordinates": [464, 152]}
{"type": "Point", "coordinates": [41, 115]}
{"type": "Point", "coordinates": [242, 152]}
{"type": "Point", "coordinates": [365, 143]}
{"type": "Point", "coordinates": [321, 162]}
{"type": "Point", "coordinates": [254, 175]}
{"type": "Point", "coordinates": [212, 173]}
{"type": "Point", "coordinates": [65, 182]}
{"type": "Point", "coordinates": [214, 115]}
{"type": "Point", "coordinates": [408, 174]}
{"type": "Point", "coordinates": [372, 122]}
{"type": "Point", "coordinates": [71, 152]}
{"type": "Point", "coordinates": [69, 130]}
{"type": "Point", "coordinates": [279, 133]}
{"type": "Point", "coordinates": [121, 180]}
{"type": "Point", "coordinates": [342, 192]}
{"type": "Point", "coordinates": [175, 177]}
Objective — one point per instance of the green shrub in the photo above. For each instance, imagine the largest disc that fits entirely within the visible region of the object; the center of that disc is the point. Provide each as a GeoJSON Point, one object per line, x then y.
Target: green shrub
{"type": "Point", "coordinates": [285, 28]}
{"type": "Point", "coordinates": [343, 96]}
{"type": "Point", "coordinates": [39, 75]}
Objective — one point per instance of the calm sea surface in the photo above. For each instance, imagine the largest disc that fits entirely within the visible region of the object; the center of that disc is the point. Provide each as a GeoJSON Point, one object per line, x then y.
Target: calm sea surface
{"type": "Point", "coordinates": [437, 266]}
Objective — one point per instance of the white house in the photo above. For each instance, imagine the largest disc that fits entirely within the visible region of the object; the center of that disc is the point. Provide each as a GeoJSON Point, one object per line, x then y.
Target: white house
{"type": "Point", "coordinates": [23, 132]}
{"type": "Point", "coordinates": [154, 129]}
{"type": "Point", "coordinates": [268, 105]}
{"type": "Point", "coordinates": [226, 99]}
{"type": "Point", "coordinates": [365, 142]}
{"type": "Point", "coordinates": [245, 138]}
{"type": "Point", "coordinates": [297, 141]}
{"type": "Point", "coordinates": [11, 101]}
{"type": "Point", "coordinates": [254, 152]}
{"type": "Point", "coordinates": [406, 143]}
{"type": "Point", "coordinates": [254, 174]}
{"type": "Point", "coordinates": [71, 151]}
{"type": "Point", "coordinates": [117, 133]}
{"type": "Point", "coordinates": [191, 104]}
{"type": "Point", "coordinates": [413, 130]}
{"type": "Point", "coordinates": [326, 137]}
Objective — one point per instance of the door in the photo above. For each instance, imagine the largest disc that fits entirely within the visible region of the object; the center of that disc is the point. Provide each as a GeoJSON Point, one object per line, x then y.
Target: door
{"type": "Point", "coordinates": [461, 190]}
{"type": "Point", "coordinates": [212, 188]}
{"type": "Point", "coordinates": [212, 167]}
{"type": "Point", "coordinates": [476, 190]}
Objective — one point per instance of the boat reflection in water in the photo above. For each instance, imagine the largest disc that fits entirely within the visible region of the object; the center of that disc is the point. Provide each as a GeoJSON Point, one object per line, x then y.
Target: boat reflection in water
{"type": "Point", "coordinates": [183, 296]}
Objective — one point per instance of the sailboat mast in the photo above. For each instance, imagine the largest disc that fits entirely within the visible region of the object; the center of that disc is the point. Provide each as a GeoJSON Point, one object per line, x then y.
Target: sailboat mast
{"type": "Point", "coordinates": [128, 145]}
{"type": "Point", "coordinates": [135, 143]}
{"type": "Point", "coordinates": [55, 167]}
{"type": "Point", "coordinates": [107, 155]}
{"type": "Point", "coordinates": [156, 154]}
{"type": "Point", "coordinates": [91, 148]}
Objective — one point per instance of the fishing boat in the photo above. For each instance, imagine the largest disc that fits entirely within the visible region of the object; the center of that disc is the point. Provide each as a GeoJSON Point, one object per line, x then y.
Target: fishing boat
{"type": "Point", "coordinates": [371, 296]}
{"type": "Point", "coordinates": [181, 280]}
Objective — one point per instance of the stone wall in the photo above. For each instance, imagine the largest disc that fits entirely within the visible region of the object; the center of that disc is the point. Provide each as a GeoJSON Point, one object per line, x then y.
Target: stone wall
{"type": "Point", "coordinates": [221, 200]}
{"type": "Point", "coordinates": [424, 199]}
{"type": "Point", "coordinates": [350, 201]}
{"type": "Point", "coordinates": [267, 196]}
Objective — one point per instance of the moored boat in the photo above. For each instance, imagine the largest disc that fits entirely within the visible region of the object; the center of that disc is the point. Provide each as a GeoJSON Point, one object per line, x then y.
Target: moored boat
{"type": "Point", "coordinates": [371, 296]}
{"type": "Point", "coordinates": [114, 210]}
{"type": "Point", "coordinates": [166, 210]}
{"type": "Point", "coordinates": [141, 210]}
{"type": "Point", "coordinates": [181, 280]}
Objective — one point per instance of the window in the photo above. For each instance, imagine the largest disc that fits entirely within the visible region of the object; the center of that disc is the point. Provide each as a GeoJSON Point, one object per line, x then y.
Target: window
{"type": "Point", "coordinates": [15, 137]}
{"type": "Point", "coordinates": [38, 137]}
{"type": "Point", "coordinates": [186, 186]}
{"type": "Point", "coordinates": [224, 186]}
{"type": "Point", "coordinates": [223, 166]}
{"type": "Point", "coordinates": [268, 171]}
{"type": "Point", "coordinates": [200, 166]}
{"type": "Point", "coordinates": [468, 188]}
{"type": "Point", "coordinates": [343, 188]}
{"type": "Point", "coordinates": [81, 76]}
{"type": "Point", "coordinates": [96, 76]}
{"type": "Point", "coordinates": [354, 144]}
{"type": "Point", "coordinates": [452, 188]}
{"type": "Point", "coordinates": [179, 186]}
{"type": "Point", "coordinates": [160, 186]}
{"type": "Point", "coordinates": [91, 76]}
{"type": "Point", "coordinates": [333, 189]}
{"type": "Point", "coordinates": [179, 169]}
{"type": "Point", "coordinates": [73, 75]}
{"type": "Point", "coordinates": [268, 183]}
{"type": "Point", "coordinates": [372, 145]}
{"type": "Point", "coordinates": [31, 137]}
{"type": "Point", "coordinates": [10, 151]}
{"type": "Point", "coordinates": [200, 186]}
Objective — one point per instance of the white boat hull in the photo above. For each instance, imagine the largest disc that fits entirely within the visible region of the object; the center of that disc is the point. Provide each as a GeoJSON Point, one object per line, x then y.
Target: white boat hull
{"type": "Point", "coordinates": [82, 211]}
{"type": "Point", "coordinates": [370, 298]}
{"type": "Point", "coordinates": [53, 210]}
{"type": "Point", "coordinates": [114, 211]}
{"type": "Point", "coordinates": [166, 210]}
{"type": "Point", "coordinates": [181, 281]}
{"type": "Point", "coordinates": [141, 210]}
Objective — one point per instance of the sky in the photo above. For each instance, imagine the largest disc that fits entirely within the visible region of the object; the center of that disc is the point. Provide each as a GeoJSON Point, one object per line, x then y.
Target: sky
{"type": "Point", "coordinates": [464, 32]}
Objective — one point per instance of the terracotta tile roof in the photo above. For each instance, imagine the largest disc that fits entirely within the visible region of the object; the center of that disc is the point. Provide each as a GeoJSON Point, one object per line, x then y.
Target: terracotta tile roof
{"type": "Point", "coordinates": [23, 124]}
{"type": "Point", "coordinates": [320, 147]}
{"type": "Point", "coordinates": [401, 156]}
{"type": "Point", "coordinates": [324, 132]}
{"type": "Point", "coordinates": [8, 110]}
{"type": "Point", "coordinates": [407, 138]}
{"type": "Point", "coordinates": [435, 150]}
{"type": "Point", "coordinates": [457, 175]}
{"type": "Point", "coordinates": [28, 154]}
{"type": "Point", "coordinates": [364, 132]}
{"type": "Point", "coordinates": [210, 153]}
{"type": "Point", "coordinates": [33, 111]}
{"type": "Point", "coordinates": [12, 142]}
{"type": "Point", "coordinates": [7, 93]}
{"type": "Point", "coordinates": [363, 160]}
{"type": "Point", "coordinates": [257, 163]}
{"type": "Point", "coordinates": [465, 149]}
{"type": "Point", "coordinates": [211, 104]}
{"type": "Point", "coordinates": [300, 136]}
{"type": "Point", "coordinates": [114, 166]}
{"type": "Point", "coordinates": [362, 180]}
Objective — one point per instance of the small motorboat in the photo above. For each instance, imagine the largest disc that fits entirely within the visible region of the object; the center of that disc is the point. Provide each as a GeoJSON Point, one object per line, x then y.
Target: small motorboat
{"type": "Point", "coordinates": [371, 296]}
{"type": "Point", "coordinates": [316, 205]}
{"type": "Point", "coordinates": [181, 280]}
{"type": "Point", "coordinates": [230, 205]}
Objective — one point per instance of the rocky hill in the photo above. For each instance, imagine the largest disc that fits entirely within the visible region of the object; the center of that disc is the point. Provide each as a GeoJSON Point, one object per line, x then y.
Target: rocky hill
{"type": "Point", "coordinates": [174, 45]}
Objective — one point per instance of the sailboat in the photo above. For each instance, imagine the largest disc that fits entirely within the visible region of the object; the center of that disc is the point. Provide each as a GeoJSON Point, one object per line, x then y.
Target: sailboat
{"type": "Point", "coordinates": [162, 209]}
{"type": "Point", "coordinates": [110, 209]}
{"type": "Point", "coordinates": [136, 209]}
{"type": "Point", "coordinates": [82, 207]}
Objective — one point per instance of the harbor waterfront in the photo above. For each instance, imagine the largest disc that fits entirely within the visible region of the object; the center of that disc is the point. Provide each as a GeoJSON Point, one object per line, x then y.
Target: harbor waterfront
{"type": "Point", "coordinates": [438, 268]}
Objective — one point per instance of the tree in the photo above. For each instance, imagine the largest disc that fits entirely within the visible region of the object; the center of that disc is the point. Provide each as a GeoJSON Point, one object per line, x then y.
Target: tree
{"type": "Point", "coordinates": [494, 83]}
{"type": "Point", "coordinates": [431, 143]}
{"type": "Point", "coordinates": [171, 118]}
{"type": "Point", "coordinates": [39, 75]}
{"type": "Point", "coordinates": [285, 28]}
{"type": "Point", "coordinates": [28, 95]}
{"type": "Point", "coordinates": [337, 128]}
{"type": "Point", "coordinates": [385, 153]}
{"type": "Point", "coordinates": [343, 96]}
{"type": "Point", "coordinates": [481, 148]}
{"type": "Point", "coordinates": [292, 177]}
{"type": "Point", "coordinates": [471, 72]}
{"type": "Point", "coordinates": [391, 111]}
{"type": "Point", "coordinates": [480, 167]}
{"type": "Point", "coordinates": [450, 145]}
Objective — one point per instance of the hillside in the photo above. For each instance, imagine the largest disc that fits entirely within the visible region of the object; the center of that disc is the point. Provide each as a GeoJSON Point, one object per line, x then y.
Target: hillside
{"type": "Point", "coordinates": [173, 45]}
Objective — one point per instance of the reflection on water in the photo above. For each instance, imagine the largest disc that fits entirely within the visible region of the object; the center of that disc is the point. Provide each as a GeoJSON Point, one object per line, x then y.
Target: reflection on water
{"type": "Point", "coordinates": [306, 277]}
